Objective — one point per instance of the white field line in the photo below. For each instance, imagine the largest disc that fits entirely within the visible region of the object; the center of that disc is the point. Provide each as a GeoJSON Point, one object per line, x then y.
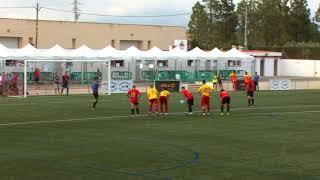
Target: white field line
{"type": "Point", "coordinates": [177, 113]}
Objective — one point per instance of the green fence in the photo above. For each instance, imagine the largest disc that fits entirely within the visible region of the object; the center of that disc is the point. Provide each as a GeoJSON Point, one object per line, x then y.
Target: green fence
{"type": "Point", "coordinates": [121, 75]}
{"type": "Point", "coordinates": [184, 76]}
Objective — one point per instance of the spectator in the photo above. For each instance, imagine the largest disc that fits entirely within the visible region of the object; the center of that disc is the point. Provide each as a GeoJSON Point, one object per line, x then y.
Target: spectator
{"type": "Point", "coordinates": [99, 74]}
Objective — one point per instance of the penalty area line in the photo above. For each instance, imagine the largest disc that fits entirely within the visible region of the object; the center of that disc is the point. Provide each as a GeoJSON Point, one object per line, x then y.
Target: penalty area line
{"type": "Point", "coordinates": [117, 117]}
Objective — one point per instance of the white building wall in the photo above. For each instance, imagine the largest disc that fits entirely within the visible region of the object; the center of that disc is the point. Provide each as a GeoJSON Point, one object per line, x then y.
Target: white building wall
{"type": "Point", "coordinates": [299, 68]}
{"type": "Point", "coordinates": [269, 67]}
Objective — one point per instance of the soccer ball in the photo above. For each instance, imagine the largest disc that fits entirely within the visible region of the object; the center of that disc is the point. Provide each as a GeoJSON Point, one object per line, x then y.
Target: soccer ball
{"type": "Point", "coordinates": [181, 101]}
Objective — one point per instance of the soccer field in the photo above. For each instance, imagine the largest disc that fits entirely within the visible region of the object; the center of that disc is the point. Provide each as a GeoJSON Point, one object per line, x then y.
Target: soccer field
{"type": "Point", "coordinates": [61, 138]}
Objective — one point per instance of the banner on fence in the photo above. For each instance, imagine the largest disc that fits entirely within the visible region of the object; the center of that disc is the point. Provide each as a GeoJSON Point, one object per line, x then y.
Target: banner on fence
{"type": "Point", "coordinates": [172, 86]}
{"type": "Point", "coordinates": [279, 85]}
{"type": "Point", "coordinates": [120, 86]}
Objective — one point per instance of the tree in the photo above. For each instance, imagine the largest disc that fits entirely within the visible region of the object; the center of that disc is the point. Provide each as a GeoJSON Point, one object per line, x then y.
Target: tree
{"type": "Point", "coordinates": [253, 25]}
{"type": "Point", "coordinates": [198, 27]}
{"type": "Point", "coordinates": [212, 8]}
{"type": "Point", "coordinates": [222, 22]}
{"type": "Point", "coordinates": [317, 17]}
{"type": "Point", "coordinates": [273, 22]}
{"type": "Point", "coordinates": [300, 27]}
{"type": "Point", "coordinates": [227, 24]}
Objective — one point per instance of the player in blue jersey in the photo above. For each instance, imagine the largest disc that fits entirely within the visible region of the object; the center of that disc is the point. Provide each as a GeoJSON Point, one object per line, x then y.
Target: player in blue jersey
{"type": "Point", "coordinates": [95, 91]}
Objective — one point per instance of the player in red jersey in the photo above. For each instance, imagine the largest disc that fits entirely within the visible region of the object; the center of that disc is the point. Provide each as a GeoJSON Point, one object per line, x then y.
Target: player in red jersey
{"type": "Point", "coordinates": [187, 95]}
{"type": "Point", "coordinates": [134, 95]}
{"type": "Point", "coordinates": [225, 100]}
{"type": "Point", "coordinates": [250, 92]}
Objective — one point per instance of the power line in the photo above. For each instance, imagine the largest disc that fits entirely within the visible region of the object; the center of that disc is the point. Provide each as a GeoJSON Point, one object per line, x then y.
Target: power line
{"type": "Point", "coordinates": [77, 13]}
{"type": "Point", "coordinates": [126, 16]}
{"type": "Point", "coordinates": [18, 7]}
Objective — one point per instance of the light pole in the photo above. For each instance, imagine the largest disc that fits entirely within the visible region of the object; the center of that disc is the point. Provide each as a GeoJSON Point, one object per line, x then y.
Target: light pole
{"type": "Point", "coordinates": [246, 25]}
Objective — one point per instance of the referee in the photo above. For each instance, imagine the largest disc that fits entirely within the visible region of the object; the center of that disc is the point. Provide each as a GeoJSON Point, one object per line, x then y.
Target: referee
{"type": "Point", "coordinates": [95, 89]}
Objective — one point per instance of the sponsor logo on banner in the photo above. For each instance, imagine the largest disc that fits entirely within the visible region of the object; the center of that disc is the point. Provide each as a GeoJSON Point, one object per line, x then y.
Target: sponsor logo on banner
{"type": "Point", "coordinates": [118, 86]}
{"type": "Point", "coordinates": [280, 85]}
{"type": "Point", "coordinates": [172, 86]}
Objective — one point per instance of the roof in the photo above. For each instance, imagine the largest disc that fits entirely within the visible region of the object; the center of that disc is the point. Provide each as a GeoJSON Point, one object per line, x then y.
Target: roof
{"type": "Point", "coordinates": [262, 53]}
{"type": "Point", "coordinates": [85, 22]}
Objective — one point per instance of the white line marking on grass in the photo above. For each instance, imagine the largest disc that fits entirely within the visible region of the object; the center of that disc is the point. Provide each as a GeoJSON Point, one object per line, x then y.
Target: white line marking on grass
{"type": "Point", "coordinates": [116, 117]}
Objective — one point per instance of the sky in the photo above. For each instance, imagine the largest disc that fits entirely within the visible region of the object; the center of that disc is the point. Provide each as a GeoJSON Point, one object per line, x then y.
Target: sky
{"type": "Point", "coordinates": [114, 7]}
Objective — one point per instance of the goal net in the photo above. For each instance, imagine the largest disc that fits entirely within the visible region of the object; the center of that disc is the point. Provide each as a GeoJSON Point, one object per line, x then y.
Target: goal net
{"type": "Point", "coordinates": [54, 77]}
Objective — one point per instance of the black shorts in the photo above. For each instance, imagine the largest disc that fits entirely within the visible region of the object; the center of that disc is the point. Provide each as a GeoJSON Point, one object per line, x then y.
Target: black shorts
{"type": "Point", "coordinates": [226, 100]}
{"type": "Point", "coordinates": [250, 93]}
{"type": "Point", "coordinates": [256, 83]}
{"type": "Point", "coordinates": [190, 102]}
{"type": "Point", "coordinates": [96, 95]}
{"type": "Point", "coordinates": [64, 85]}
{"type": "Point", "coordinates": [36, 79]}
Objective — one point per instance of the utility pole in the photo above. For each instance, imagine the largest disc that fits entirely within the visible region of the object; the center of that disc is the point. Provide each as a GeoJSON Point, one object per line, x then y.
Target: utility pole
{"type": "Point", "coordinates": [246, 25]}
{"type": "Point", "coordinates": [37, 24]}
{"type": "Point", "coordinates": [76, 10]}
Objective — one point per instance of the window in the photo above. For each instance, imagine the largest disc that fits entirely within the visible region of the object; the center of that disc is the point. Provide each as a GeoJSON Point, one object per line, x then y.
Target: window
{"type": "Point", "coordinates": [74, 43]}
{"type": "Point", "coordinates": [190, 63]}
{"type": "Point", "coordinates": [14, 63]}
{"type": "Point", "coordinates": [149, 44]}
{"type": "Point", "coordinates": [117, 63]}
{"type": "Point", "coordinates": [162, 63]}
{"type": "Point", "coordinates": [113, 43]}
{"type": "Point", "coordinates": [232, 63]}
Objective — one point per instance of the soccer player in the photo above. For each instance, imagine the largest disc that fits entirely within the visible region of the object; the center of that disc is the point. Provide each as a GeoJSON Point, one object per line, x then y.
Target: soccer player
{"type": "Point", "coordinates": [152, 96]}
{"type": "Point", "coordinates": [246, 78]}
{"type": "Point", "coordinates": [65, 83]}
{"type": "Point", "coordinates": [95, 92]}
{"type": "Point", "coordinates": [225, 100]}
{"type": "Point", "coordinates": [233, 77]}
{"type": "Point", "coordinates": [56, 84]}
{"type": "Point", "coordinates": [250, 92]}
{"type": "Point", "coordinates": [134, 95]}
{"type": "Point", "coordinates": [205, 91]}
{"type": "Point", "coordinates": [164, 96]}
{"type": "Point", "coordinates": [215, 82]}
{"type": "Point", "coordinates": [187, 95]}
{"type": "Point", "coordinates": [256, 78]}
{"type": "Point", "coordinates": [220, 81]}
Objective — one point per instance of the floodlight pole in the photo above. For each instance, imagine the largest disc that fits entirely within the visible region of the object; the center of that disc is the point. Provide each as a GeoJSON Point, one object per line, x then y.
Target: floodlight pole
{"type": "Point", "coordinates": [37, 25]}
{"type": "Point", "coordinates": [246, 25]}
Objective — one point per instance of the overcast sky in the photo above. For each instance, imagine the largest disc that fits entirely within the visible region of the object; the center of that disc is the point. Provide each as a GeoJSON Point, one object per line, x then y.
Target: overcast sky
{"type": "Point", "coordinates": [114, 7]}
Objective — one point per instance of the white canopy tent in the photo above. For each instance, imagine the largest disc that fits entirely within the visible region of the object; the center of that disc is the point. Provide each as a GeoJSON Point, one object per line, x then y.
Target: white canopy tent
{"type": "Point", "coordinates": [198, 53]}
{"type": "Point", "coordinates": [234, 54]}
{"type": "Point", "coordinates": [85, 54]}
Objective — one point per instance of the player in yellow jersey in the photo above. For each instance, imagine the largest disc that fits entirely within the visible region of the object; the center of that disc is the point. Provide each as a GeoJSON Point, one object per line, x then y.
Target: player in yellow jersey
{"type": "Point", "coordinates": [205, 91]}
{"type": "Point", "coordinates": [152, 96]}
{"type": "Point", "coordinates": [164, 96]}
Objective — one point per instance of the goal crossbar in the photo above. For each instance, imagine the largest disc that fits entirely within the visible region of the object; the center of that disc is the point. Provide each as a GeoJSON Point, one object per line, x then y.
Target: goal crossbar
{"type": "Point", "coordinates": [64, 60]}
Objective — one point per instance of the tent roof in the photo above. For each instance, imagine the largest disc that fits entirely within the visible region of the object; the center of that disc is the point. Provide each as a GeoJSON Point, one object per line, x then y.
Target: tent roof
{"type": "Point", "coordinates": [236, 54]}
{"type": "Point", "coordinates": [198, 53]}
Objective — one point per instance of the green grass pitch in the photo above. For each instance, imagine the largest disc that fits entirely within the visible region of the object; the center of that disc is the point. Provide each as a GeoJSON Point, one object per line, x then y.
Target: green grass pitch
{"type": "Point", "coordinates": [61, 138]}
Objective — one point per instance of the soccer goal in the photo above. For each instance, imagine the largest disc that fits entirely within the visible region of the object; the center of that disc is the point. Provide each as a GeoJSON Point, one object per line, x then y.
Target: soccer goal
{"type": "Point", "coordinates": [60, 77]}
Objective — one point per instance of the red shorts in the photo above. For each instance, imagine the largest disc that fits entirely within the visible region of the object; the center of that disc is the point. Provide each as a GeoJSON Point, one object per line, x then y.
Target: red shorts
{"type": "Point", "coordinates": [205, 100]}
{"type": "Point", "coordinates": [134, 101]}
{"type": "Point", "coordinates": [153, 101]}
{"type": "Point", "coordinates": [163, 100]}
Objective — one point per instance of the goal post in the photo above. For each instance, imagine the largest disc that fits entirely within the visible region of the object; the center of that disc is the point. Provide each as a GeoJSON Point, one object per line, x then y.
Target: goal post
{"type": "Point", "coordinates": [81, 72]}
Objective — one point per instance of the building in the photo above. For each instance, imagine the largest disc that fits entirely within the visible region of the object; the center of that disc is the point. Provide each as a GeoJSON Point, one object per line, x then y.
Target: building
{"type": "Point", "coordinates": [16, 33]}
{"type": "Point", "coordinates": [266, 63]}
